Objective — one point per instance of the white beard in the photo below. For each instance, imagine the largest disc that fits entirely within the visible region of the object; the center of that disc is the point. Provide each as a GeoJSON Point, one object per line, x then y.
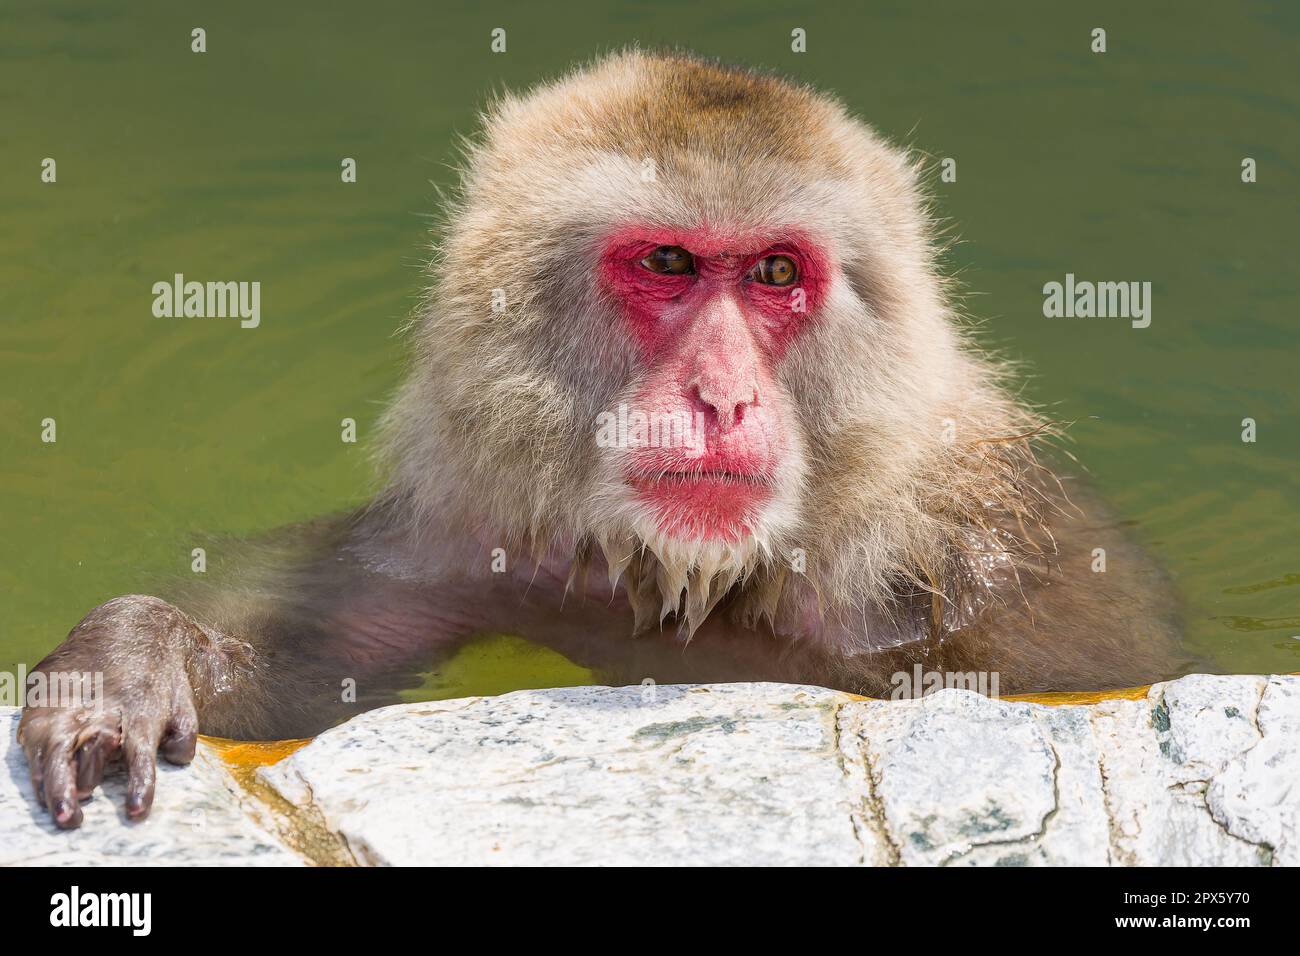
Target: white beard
{"type": "Point", "coordinates": [665, 574]}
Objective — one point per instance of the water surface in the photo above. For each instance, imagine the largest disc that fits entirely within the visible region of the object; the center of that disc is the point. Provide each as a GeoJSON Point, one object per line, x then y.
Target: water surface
{"type": "Point", "coordinates": [1123, 166]}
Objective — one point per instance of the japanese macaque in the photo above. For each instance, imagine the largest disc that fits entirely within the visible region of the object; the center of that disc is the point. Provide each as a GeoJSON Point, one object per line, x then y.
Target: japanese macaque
{"type": "Point", "coordinates": [688, 402]}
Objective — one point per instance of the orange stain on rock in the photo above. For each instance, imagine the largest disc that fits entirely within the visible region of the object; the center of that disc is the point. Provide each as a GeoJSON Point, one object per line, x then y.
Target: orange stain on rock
{"type": "Point", "coordinates": [248, 755]}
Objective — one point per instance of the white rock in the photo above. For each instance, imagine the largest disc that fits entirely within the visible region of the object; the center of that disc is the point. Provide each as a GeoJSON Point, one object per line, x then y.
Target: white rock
{"type": "Point", "coordinates": [1158, 756]}
{"type": "Point", "coordinates": [960, 778]}
{"type": "Point", "coordinates": [1201, 771]}
{"type": "Point", "coordinates": [738, 773]}
{"type": "Point", "coordinates": [1256, 794]}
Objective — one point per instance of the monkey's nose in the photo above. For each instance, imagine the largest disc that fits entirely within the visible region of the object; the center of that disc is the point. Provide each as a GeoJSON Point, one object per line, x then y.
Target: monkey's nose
{"type": "Point", "coordinates": [728, 406]}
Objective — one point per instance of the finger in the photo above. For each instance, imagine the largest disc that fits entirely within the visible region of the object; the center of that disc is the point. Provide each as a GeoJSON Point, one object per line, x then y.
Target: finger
{"type": "Point", "coordinates": [91, 757]}
{"type": "Point", "coordinates": [61, 787]}
{"type": "Point", "coordinates": [140, 771]}
{"type": "Point", "coordinates": [182, 736]}
{"type": "Point", "coordinates": [36, 767]}
{"type": "Point", "coordinates": [178, 747]}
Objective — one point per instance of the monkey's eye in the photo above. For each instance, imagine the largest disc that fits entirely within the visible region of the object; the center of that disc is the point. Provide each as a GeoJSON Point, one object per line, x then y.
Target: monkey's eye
{"type": "Point", "coordinates": [774, 270]}
{"type": "Point", "coordinates": [670, 260]}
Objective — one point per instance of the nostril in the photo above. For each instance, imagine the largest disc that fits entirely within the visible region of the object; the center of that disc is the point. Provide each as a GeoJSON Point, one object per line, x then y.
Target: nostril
{"type": "Point", "coordinates": [743, 406]}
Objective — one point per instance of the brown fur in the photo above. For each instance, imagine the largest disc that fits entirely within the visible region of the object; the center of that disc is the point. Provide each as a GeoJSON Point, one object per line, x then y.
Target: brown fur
{"type": "Point", "coordinates": [494, 429]}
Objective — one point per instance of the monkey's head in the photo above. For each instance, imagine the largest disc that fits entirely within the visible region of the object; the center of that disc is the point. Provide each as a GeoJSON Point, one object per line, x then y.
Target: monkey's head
{"type": "Point", "coordinates": [687, 317]}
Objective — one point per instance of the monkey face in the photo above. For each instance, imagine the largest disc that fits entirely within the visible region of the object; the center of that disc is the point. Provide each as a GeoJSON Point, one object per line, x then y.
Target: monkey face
{"type": "Point", "coordinates": [710, 452]}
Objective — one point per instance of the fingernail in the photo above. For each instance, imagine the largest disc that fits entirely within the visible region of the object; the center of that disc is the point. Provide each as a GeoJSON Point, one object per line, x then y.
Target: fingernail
{"type": "Point", "coordinates": [136, 805]}
{"type": "Point", "coordinates": [66, 814]}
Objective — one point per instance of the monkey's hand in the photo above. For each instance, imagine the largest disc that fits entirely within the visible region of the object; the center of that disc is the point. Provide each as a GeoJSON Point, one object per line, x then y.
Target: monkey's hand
{"type": "Point", "coordinates": [123, 686]}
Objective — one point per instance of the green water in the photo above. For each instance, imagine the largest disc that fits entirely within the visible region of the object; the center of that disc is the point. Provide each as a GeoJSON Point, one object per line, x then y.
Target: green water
{"type": "Point", "coordinates": [225, 165]}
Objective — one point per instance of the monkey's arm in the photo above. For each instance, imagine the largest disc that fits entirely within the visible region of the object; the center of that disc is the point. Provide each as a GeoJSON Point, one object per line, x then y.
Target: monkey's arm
{"type": "Point", "coordinates": [307, 635]}
{"type": "Point", "coordinates": [157, 666]}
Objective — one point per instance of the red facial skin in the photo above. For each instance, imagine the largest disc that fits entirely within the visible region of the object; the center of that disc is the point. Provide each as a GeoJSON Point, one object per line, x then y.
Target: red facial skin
{"type": "Point", "coordinates": [711, 342]}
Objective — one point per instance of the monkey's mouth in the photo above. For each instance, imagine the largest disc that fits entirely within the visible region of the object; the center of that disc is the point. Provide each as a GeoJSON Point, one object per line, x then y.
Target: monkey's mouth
{"type": "Point", "coordinates": [709, 504]}
{"type": "Point", "coordinates": [714, 475]}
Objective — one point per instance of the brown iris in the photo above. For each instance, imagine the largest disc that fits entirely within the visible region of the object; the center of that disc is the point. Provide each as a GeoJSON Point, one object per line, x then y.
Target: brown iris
{"type": "Point", "coordinates": [670, 260]}
{"type": "Point", "coordinates": [774, 270]}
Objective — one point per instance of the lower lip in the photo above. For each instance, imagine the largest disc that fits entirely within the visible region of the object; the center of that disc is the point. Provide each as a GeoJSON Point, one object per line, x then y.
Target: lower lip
{"type": "Point", "coordinates": [704, 508]}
